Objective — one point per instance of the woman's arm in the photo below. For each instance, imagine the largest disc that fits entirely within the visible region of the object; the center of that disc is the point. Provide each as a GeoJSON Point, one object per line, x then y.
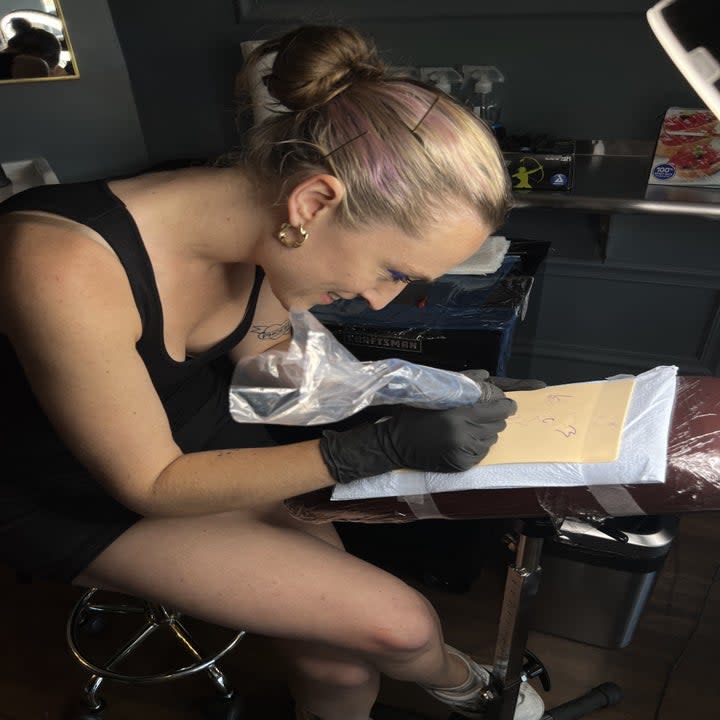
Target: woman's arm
{"type": "Point", "coordinates": [67, 307]}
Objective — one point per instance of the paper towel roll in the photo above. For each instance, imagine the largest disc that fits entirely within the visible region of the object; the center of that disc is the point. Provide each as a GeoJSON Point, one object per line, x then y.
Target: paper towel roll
{"type": "Point", "coordinates": [262, 103]}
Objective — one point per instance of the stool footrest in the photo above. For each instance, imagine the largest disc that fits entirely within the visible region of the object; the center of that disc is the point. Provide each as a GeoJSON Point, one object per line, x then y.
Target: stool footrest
{"type": "Point", "coordinates": [157, 616]}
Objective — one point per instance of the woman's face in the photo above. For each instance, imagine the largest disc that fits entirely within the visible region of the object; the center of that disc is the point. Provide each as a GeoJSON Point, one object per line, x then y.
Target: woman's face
{"type": "Point", "coordinates": [375, 264]}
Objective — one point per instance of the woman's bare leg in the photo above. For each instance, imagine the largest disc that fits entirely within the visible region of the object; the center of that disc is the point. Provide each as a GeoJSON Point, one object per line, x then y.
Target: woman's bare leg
{"type": "Point", "coordinates": [330, 683]}
{"type": "Point", "coordinates": [275, 576]}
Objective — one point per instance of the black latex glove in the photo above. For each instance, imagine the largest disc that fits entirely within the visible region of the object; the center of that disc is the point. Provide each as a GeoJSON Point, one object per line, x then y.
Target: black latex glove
{"type": "Point", "coordinates": [432, 440]}
{"type": "Point", "coordinates": [482, 377]}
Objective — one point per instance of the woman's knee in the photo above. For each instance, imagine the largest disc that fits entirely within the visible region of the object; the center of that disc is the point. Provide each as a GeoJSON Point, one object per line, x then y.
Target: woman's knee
{"type": "Point", "coordinates": [409, 628]}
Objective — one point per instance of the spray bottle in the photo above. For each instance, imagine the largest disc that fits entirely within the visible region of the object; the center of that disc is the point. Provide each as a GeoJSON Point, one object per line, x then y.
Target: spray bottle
{"type": "Point", "coordinates": [483, 94]}
{"type": "Point", "coordinates": [446, 79]}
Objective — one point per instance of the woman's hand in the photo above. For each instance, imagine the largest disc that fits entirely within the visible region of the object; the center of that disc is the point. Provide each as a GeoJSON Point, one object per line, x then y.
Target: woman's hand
{"type": "Point", "coordinates": [431, 440]}
{"type": "Point", "coordinates": [483, 377]}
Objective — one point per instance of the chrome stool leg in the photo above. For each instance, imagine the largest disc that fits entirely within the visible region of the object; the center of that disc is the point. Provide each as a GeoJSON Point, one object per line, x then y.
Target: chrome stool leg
{"type": "Point", "coordinates": [90, 697]}
{"type": "Point", "coordinates": [216, 675]}
{"type": "Point", "coordinates": [155, 617]}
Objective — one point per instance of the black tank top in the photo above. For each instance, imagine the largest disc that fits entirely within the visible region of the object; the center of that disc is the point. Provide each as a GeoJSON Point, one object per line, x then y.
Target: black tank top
{"type": "Point", "coordinates": [194, 392]}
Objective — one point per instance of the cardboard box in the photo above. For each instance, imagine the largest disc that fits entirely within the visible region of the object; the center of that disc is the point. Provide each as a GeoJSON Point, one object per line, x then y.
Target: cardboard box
{"type": "Point", "coordinates": [538, 167]}
{"type": "Point", "coordinates": [454, 323]}
{"type": "Point", "coordinates": [452, 349]}
{"type": "Point", "coordinates": [687, 151]}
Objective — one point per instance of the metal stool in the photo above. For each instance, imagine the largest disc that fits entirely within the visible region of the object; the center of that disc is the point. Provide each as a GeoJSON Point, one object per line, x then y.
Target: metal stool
{"type": "Point", "coordinates": [89, 617]}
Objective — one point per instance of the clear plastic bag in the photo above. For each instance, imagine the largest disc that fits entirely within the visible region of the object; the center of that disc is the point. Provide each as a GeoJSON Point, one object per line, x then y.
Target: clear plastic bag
{"type": "Point", "coordinates": [318, 381]}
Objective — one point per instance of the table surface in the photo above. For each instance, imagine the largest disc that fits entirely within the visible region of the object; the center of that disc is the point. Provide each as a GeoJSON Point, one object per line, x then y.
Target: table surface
{"type": "Point", "coordinates": [618, 184]}
{"type": "Point", "coordinates": [692, 483]}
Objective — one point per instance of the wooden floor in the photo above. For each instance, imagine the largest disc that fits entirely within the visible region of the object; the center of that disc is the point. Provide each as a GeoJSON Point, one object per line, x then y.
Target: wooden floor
{"type": "Point", "coordinates": [40, 680]}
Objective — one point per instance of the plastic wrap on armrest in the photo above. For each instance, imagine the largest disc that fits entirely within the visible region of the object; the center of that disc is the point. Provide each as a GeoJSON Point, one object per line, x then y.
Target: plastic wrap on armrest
{"type": "Point", "coordinates": [693, 466]}
{"type": "Point", "coordinates": [694, 447]}
{"type": "Point", "coordinates": [318, 508]}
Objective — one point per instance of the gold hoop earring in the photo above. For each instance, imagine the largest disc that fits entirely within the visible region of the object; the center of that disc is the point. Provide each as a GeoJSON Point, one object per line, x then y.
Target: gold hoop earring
{"type": "Point", "coordinates": [292, 242]}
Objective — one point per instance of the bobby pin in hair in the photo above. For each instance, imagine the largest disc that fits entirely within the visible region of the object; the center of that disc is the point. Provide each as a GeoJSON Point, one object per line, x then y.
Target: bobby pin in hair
{"type": "Point", "coordinates": [412, 130]}
{"type": "Point", "coordinates": [347, 142]}
{"type": "Point", "coordinates": [422, 119]}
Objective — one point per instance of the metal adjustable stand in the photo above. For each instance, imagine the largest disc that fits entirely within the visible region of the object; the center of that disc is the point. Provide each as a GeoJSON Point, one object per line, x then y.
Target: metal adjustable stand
{"type": "Point", "coordinates": [513, 663]}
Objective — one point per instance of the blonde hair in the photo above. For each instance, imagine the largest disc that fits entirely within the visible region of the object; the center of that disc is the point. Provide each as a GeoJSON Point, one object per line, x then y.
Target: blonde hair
{"type": "Point", "coordinates": [406, 152]}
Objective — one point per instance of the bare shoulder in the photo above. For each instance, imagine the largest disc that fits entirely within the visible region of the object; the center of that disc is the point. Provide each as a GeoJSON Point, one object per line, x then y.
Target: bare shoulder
{"type": "Point", "coordinates": [68, 310]}
{"type": "Point", "coordinates": [50, 269]}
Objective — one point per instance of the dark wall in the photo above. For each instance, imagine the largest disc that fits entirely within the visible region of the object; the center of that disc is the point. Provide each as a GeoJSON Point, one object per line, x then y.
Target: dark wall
{"type": "Point", "coordinates": [85, 127]}
{"type": "Point", "coordinates": [572, 72]}
{"type": "Point", "coordinates": [644, 291]}
{"type": "Point", "coordinates": [182, 57]}
{"type": "Point", "coordinates": [575, 74]}
{"type": "Point", "coordinates": [586, 70]}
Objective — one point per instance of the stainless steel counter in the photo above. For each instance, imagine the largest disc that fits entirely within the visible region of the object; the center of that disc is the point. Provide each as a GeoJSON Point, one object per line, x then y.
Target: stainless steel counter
{"type": "Point", "coordinates": [611, 177]}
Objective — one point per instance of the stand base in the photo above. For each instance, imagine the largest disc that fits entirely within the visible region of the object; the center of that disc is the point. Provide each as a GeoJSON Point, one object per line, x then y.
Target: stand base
{"type": "Point", "coordinates": [599, 697]}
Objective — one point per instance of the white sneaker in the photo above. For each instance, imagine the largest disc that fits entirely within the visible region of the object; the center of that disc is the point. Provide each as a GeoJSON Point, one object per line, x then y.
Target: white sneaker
{"type": "Point", "coordinates": [465, 700]}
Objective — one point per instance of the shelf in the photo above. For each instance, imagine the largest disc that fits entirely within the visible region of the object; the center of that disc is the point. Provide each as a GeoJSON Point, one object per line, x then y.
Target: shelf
{"type": "Point", "coordinates": [618, 184]}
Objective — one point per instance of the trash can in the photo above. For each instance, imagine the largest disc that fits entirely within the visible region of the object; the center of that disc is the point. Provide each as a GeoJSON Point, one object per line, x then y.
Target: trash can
{"type": "Point", "coordinates": [594, 587]}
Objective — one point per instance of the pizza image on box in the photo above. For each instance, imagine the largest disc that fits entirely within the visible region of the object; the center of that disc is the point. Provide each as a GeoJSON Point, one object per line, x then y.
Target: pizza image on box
{"type": "Point", "coordinates": [697, 161]}
{"type": "Point", "coordinates": [680, 121]}
{"type": "Point", "coordinates": [667, 145]}
{"type": "Point", "coordinates": [688, 149]}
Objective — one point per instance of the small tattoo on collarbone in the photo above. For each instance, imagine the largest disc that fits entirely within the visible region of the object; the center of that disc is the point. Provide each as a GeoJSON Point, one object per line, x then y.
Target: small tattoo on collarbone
{"type": "Point", "coordinates": [271, 332]}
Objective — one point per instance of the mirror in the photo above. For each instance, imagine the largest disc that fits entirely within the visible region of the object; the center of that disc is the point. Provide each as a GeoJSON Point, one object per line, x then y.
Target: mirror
{"type": "Point", "coordinates": [34, 42]}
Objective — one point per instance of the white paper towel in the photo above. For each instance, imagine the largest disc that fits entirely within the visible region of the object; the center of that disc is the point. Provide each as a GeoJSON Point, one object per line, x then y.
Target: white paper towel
{"type": "Point", "coordinates": [642, 457]}
{"type": "Point", "coordinates": [486, 260]}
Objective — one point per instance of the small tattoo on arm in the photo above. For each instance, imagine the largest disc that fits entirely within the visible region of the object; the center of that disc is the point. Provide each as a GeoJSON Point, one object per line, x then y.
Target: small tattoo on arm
{"type": "Point", "coordinates": [271, 332]}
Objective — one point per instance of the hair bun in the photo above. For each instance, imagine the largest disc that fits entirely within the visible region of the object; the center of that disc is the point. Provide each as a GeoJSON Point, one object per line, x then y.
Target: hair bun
{"type": "Point", "coordinates": [316, 62]}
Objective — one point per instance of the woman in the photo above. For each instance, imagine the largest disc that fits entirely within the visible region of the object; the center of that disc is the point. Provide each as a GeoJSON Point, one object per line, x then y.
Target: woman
{"type": "Point", "coordinates": [119, 302]}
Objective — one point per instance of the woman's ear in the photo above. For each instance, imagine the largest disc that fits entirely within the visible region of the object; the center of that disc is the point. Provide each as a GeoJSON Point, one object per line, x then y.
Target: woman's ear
{"type": "Point", "coordinates": [314, 197]}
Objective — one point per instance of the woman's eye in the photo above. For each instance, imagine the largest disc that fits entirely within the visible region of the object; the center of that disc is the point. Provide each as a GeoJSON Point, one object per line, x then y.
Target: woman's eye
{"type": "Point", "coordinates": [397, 276]}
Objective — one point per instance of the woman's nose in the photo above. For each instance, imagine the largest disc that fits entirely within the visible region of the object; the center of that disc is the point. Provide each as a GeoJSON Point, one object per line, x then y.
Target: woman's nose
{"type": "Point", "coordinates": [378, 297]}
